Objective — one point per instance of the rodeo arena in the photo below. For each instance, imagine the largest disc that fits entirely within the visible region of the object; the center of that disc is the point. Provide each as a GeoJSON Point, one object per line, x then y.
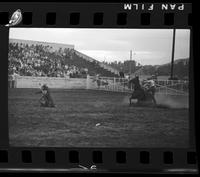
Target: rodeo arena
{"type": "Point", "coordinates": [95, 104]}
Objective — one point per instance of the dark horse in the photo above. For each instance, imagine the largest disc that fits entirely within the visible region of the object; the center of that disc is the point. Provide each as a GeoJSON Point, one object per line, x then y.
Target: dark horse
{"type": "Point", "coordinates": [140, 93]}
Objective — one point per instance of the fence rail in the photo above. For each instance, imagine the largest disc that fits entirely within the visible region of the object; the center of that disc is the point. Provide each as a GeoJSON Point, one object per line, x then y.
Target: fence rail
{"type": "Point", "coordinates": [168, 87]}
{"type": "Point", "coordinates": [100, 83]}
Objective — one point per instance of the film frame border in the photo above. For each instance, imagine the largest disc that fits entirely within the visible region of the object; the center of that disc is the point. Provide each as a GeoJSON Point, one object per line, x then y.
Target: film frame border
{"type": "Point", "coordinates": [113, 15]}
{"type": "Point", "coordinates": [88, 15]}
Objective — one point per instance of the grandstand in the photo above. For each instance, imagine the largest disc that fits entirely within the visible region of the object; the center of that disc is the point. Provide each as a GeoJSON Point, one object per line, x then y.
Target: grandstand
{"type": "Point", "coordinates": [55, 46]}
{"type": "Point", "coordinates": [35, 58]}
{"type": "Point", "coordinates": [106, 67]}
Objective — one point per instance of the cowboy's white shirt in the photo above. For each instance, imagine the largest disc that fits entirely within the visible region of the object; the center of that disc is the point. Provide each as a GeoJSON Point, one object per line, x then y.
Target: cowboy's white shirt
{"type": "Point", "coordinates": [152, 83]}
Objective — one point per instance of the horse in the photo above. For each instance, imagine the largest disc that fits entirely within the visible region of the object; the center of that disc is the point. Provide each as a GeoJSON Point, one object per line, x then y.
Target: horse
{"type": "Point", "coordinates": [140, 93]}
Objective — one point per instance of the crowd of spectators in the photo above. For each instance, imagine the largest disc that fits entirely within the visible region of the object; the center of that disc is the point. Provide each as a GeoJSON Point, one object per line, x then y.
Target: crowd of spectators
{"type": "Point", "coordinates": [43, 60]}
{"type": "Point", "coordinates": [40, 60]}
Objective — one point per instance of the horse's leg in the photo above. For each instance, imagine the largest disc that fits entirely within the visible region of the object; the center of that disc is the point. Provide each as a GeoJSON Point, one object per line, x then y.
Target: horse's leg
{"type": "Point", "coordinates": [138, 101]}
{"type": "Point", "coordinates": [133, 96]}
{"type": "Point", "coordinates": [140, 97]}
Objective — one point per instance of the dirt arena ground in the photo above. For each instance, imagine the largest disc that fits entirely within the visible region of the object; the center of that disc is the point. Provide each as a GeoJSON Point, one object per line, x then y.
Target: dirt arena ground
{"type": "Point", "coordinates": [89, 118]}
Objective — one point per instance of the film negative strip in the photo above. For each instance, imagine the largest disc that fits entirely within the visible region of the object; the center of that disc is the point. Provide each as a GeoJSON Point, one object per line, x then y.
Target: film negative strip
{"type": "Point", "coordinates": [115, 87]}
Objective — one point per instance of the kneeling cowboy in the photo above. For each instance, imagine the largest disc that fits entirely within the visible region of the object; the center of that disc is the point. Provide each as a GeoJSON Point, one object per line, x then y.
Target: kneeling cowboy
{"type": "Point", "coordinates": [46, 99]}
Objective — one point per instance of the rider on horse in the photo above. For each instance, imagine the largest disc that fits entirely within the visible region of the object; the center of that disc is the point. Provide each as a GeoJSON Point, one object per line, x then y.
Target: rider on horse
{"type": "Point", "coordinates": [142, 93]}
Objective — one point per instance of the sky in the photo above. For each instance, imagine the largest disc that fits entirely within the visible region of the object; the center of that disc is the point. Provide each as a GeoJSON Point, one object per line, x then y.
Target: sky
{"type": "Point", "coordinates": [149, 46]}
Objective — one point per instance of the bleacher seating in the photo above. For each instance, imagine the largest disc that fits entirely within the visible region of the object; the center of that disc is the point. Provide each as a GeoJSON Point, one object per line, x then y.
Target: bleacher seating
{"type": "Point", "coordinates": [41, 60]}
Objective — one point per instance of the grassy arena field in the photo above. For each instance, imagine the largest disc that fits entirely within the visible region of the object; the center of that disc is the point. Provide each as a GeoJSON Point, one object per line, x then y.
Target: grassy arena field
{"type": "Point", "coordinates": [73, 122]}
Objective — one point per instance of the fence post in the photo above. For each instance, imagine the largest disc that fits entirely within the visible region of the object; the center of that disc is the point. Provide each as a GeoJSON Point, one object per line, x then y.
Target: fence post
{"type": "Point", "coordinates": [114, 82]}
{"type": "Point", "coordinates": [15, 81]}
{"type": "Point", "coordinates": [88, 82]}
